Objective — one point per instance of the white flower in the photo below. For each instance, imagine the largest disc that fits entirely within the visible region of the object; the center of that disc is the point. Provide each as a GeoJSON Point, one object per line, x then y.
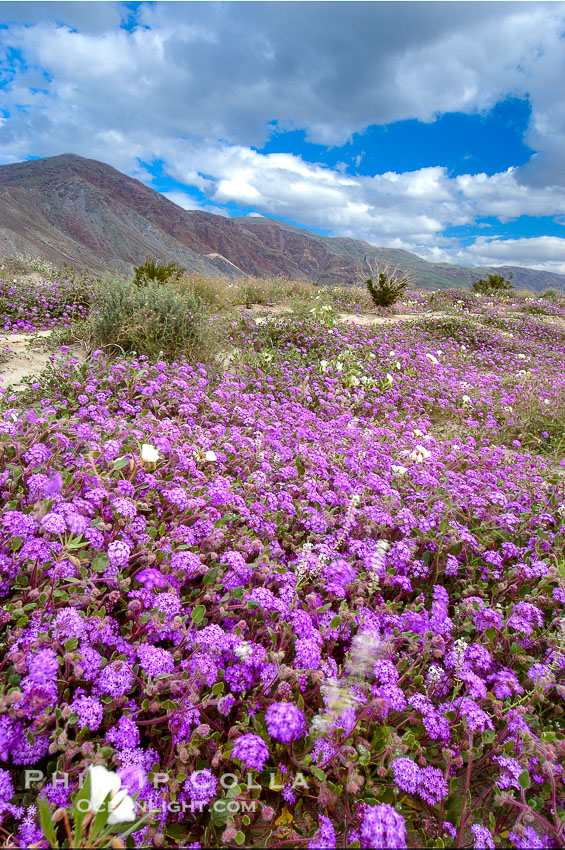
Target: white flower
{"type": "Point", "coordinates": [121, 806]}
{"type": "Point", "coordinates": [244, 650]}
{"type": "Point", "coordinates": [432, 359]}
{"type": "Point", "coordinates": [466, 399]}
{"type": "Point", "coordinates": [339, 366]}
{"type": "Point", "coordinates": [211, 456]}
{"type": "Point", "coordinates": [390, 378]}
{"type": "Point", "coordinates": [324, 365]}
{"type": "Point", "coordinates": [419, 454]}
{"type": "Point", "coordinates": [546, 401]}
{"type": "Point", "coordinates": [398, 470]}
{"type": "Point", "coordinates": [521, 357]}
{"type": "Point", "coordinates": [149, 453]}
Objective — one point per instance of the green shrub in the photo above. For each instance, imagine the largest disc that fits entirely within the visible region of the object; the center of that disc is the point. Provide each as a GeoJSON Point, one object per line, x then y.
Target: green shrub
{"type": "Point", "coordinates": [153, 320]}
{"type": "Point", "coordinates": [386, 287]}
{"type": "Point", "coordinates": [494, 284]}
{"type": "Point", "coordinates": [151, 272]}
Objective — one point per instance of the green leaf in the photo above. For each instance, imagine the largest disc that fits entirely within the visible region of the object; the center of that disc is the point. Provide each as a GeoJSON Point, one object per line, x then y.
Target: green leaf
{"type": "Point", "coordinates": [121, 462]}
{"type": "Point", "coordinates": [78, 816]}
{"type": "Point", "coordinates": [162, 529]}
{"type": "Point", "coordinates": [335, 622]}
{"type": "Point", "coordinates": [218, 688]}
{"type": "Point", "coordinates": [240, 837]}
{"type": "Point", "coordinates": [318, 773]}
{"type": "Point", "coordinates": [46, 821]}
{"type": "Point", "coordinates": [524, 779]}
{"type": "Point", "coordinates": [100, 819]}
{"type": "Point", "coordinates": [210, 577]}
{"type": "Point", "coordinates": [99, 563]}
{"type": "Point", "coordinates": [198, 614]}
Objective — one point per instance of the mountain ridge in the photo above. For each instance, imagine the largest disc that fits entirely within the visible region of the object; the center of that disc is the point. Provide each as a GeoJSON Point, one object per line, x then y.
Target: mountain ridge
{"type": "Point", "coordinates": [79, 211]}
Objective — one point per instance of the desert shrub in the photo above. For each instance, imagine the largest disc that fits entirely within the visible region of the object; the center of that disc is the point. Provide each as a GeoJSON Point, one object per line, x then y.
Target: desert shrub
{"type": "Point", "coordinates": [549, 294]}
{"type": "Point", "coordinates": [23, 264]}
{"type": "Point", "coordinates": [386, 286]}
{"type": "Point", "coordinates": [153, 320]}
{"type": "Point", "coordinates": [151, 272]}
{"type": "Point", "coordinates": [217, 292]}
{"type": "Point", "coordinates": [494, 284]}
{"type": "Point", "coordinates": [350, 299]}
{"type": "Point", "coordinates": [254, 290]}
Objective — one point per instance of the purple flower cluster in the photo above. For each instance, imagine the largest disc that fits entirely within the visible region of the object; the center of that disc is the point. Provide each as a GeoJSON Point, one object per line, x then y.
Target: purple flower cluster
{"type": "Point", "coordinates": [363, 555]}
{"type": "Point", "coordinates": [428, 782]}
{"type": "Point", "coordinates": [285, 722]}
{"type": "Point", "coordinates": [251, 750]}
{"type": "Point", "coordinates": [383, 826]}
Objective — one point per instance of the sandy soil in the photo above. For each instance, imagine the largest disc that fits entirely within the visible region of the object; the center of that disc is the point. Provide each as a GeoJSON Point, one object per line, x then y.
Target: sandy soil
{"type": "Point", "coordinates": [19, 359]}
{"type": "Point", "coordinates": [261, 311]}
{"type": "Point", "coordinates": [368, 319]}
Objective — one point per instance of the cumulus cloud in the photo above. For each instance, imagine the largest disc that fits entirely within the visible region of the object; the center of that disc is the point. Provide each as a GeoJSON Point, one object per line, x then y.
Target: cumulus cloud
{"type": "Point", "coordinates": [414, 207]}
{"type": "Point", "coordinates": [199, 86]}
{"type": "Point", "coordinates": [232, 70]}
{"type": "Point", "coordinates": [539, 252]}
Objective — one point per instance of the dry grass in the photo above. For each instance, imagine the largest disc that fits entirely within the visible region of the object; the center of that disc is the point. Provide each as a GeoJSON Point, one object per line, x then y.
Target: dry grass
{"type": "Point", "coordinates": [223, 294]}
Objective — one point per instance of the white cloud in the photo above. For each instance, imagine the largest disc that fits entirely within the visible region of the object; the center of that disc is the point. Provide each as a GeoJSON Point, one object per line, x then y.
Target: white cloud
{"type": "Point", "coordinates": [198, 85]}
{"type": "Point", "coordinates": [413, 207]}
{"type": "Point", "coordinates": [226, 71]}
{"type": "Point", "coordinates": [182, 199]}
{"type": "Point", "coordinates": [540, 252]}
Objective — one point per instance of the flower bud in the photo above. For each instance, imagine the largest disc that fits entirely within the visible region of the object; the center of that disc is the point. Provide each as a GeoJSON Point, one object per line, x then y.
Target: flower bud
{"type": "Point", "coordinates": [229, 834]}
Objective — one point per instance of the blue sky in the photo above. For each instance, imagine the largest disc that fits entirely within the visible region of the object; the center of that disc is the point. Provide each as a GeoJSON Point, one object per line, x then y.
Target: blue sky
{"type": "Point", "coordinates": [432, 127]}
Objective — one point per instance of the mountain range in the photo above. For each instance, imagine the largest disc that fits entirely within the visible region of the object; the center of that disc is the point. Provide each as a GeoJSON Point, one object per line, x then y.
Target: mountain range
{"type": "Point", "coordinates": [68, 209]}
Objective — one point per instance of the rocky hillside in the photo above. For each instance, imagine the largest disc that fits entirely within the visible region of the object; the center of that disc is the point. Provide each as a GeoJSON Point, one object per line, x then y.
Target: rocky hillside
{"type": "Point", "coordinates": [68, 209]}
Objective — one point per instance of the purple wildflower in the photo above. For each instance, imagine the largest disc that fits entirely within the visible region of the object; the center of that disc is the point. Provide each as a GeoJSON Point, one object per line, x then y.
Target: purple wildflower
{"type": "Point", "coordinates": [285, 722]}
{"type": "Point", "coordinates": [251, 750]}
{"type": "Point", "coordinates": [201, 786]}
{"type": "Point", "coordinates": [325, 837]}
{"type": "Point", "coordinates": [383, 827]}
{"type": "Point", "coordinates": [118, 553]}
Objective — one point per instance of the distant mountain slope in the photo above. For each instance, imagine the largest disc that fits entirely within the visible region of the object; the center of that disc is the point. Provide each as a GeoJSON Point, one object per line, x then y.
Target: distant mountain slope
{"type": "Point", "coordinates": [70, 209]}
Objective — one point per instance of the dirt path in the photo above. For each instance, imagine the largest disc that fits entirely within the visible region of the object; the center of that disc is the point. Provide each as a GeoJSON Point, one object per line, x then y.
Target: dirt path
{"type": "Point", "coordinates": [19, 359]}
